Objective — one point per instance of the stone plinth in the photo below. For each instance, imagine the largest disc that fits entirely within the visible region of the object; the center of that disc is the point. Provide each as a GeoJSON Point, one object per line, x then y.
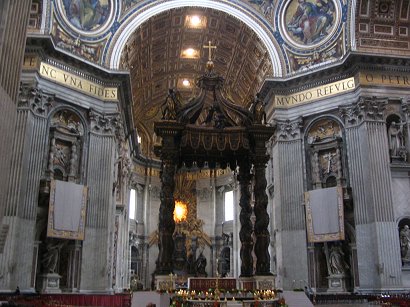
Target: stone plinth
{"type": "Point", "coordinates": [246, 283]}
{"type": "Point", "coordinates": [49, 283]}
{"type": "Point", "coordinates": [265, 282]}
{"type": "Point", "coordinates": [337, 283]}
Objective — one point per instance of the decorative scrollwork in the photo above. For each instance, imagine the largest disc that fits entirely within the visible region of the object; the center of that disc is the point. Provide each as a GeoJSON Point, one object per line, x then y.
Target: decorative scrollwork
{"type": "Point", "coordinates": [367, 108]}
{"type": "Point", "coordinates": [104, 123]}
{"type": "Point", "coordinates": [35, 99]}
{"type": "Point", "coordinates": [288, 130]}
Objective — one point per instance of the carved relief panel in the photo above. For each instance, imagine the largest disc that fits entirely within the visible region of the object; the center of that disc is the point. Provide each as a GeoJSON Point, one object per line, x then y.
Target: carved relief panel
{"type": "Point", "coordinates": [66, 146]}
{"type": "Point", "coordinates": [324, 141]}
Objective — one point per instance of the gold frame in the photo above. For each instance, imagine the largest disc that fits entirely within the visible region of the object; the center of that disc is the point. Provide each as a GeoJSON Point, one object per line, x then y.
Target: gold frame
{"type": "Point", "coordinates": [65, 234]}
{"type": "Point", "coordinates": [314, 238]}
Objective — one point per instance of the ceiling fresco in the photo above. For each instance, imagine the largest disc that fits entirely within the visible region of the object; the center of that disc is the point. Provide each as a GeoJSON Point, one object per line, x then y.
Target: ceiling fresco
{"type": "Point", "coordinates": [91, 28]}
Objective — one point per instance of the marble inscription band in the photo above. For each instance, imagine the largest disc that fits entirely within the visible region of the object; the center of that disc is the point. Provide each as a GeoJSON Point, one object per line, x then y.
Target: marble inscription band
{"type": "Point", "coordinates": [315, 93]}
{"type": "Point", "coordinates": [80, 84]}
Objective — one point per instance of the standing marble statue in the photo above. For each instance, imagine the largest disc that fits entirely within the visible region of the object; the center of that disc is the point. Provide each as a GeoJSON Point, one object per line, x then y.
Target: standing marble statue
{"type": "Point", "coordinates": [51, 256]}
{"type": "Point", "coordinates": [405, 243]}
{"type": "Point", "coordinates": [337, 265]}
{"type": "Point", "coordinates": [396, 139]}
{"type": "Point", "coordinates": [201, 265]}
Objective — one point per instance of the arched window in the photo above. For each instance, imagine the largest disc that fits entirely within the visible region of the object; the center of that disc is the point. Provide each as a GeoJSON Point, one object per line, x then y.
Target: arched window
{"type": "Point", "coordinates": [228, 206]}
{"type": "Point", "coordinates": [133, 204]}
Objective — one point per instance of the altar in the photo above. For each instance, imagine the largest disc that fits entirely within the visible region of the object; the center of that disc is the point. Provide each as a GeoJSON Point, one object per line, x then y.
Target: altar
{"type": "Point", "coordinates": [247, 303]}
{"type": "Point", "coordinates": [206, 283]}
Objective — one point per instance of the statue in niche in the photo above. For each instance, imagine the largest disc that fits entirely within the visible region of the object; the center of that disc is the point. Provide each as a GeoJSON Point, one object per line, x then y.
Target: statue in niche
{"type": "Point", "coordinates": [50, 257]}
{"type": "Point", "coordinates": [191, 264]}
{"type": "Point", "coordinates": [201, 265]}
{"type": "Point", "coordinates": [396, 141]}
{"type": "Point", "coordinates": [405, 244]}
{"type": "Point", "coordinates": [337, 265]}
{"type": "Point", "coordinates": [224, 262]}
{"type": "Point", "coordinates": [171, 105]}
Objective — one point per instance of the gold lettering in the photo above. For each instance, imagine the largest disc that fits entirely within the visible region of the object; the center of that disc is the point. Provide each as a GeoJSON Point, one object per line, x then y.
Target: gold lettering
{"type": "Point", "coordinates": [369, 78]}
{"type": "Point", "coordinates": [77, 83]}
{"type": "Point", "coordinates": [44, 70]}
{"type": "Point", "coordinates": [53, 73]}
{"type": "Point", "coordinates": [315, 93]}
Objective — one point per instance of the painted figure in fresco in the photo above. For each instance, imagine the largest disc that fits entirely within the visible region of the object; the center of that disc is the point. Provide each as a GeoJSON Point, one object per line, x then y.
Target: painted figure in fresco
{"type": "Point", "coordinates": [266, 7]}
{"type": "Point", "coordinates": [86, 14]}
{"type": "Point", "coordinates": [311, 21]}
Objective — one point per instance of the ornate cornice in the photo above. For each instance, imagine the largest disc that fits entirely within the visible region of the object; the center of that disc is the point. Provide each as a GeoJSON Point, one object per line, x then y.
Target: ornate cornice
{"type": "Point", "coordinates": [35, 99]}
{"type": "Point", "coordinates": [288, 130]}
{"type": "Point", "coordinates": [366, 109]}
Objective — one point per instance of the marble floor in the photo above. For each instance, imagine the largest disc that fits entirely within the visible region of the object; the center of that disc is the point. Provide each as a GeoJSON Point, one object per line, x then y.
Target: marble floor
{"type": "Point", "coordinates": [350, 305]}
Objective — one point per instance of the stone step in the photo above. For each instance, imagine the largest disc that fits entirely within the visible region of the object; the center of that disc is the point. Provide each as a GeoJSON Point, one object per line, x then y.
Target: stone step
{"type": "Point", "coordinates": [296, 299]}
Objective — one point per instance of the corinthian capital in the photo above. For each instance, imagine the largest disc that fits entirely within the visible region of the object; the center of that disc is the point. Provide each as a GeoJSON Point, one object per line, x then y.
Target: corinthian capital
{"type": "Point", "coordinates": [287, 130]}
{"type": "Point", "coordinates": [366, 109]}
{"type": "Point", "coordinates": [103, 123]}
{"type": "Point", "coordinates": [35, 99]}
{"type": "Point", "coordinates": [405, 106]}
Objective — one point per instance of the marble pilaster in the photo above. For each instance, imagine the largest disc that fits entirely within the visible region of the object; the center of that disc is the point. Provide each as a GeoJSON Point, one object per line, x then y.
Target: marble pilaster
{"type": "Point", "coordinates": [28, 149]}
{"type": "Point", "coordinates": [96, 271]}
{"type": "Point", "coordinates": [378, 250]}
{"type": "Point", "coordinates": [288, 197]}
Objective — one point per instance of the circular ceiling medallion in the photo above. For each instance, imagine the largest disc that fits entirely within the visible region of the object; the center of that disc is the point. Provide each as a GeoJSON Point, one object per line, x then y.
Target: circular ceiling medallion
{"type": "Point", "coordinates": [87, 17]}
{"type": "Point", "coordinates": [307, 24]}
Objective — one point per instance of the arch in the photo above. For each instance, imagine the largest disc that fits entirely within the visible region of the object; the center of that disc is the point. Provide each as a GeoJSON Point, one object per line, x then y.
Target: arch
{"type": "Point", "coordinates": [72, 109]}
{"type": "Point", "coordinates": [315, 120]}
{"type": "Point", "coordinates": [140, 16]}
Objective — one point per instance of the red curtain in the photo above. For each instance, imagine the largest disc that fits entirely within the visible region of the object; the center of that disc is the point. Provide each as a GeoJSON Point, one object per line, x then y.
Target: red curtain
{"type": "Point", "coordinates": [73, 300]}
